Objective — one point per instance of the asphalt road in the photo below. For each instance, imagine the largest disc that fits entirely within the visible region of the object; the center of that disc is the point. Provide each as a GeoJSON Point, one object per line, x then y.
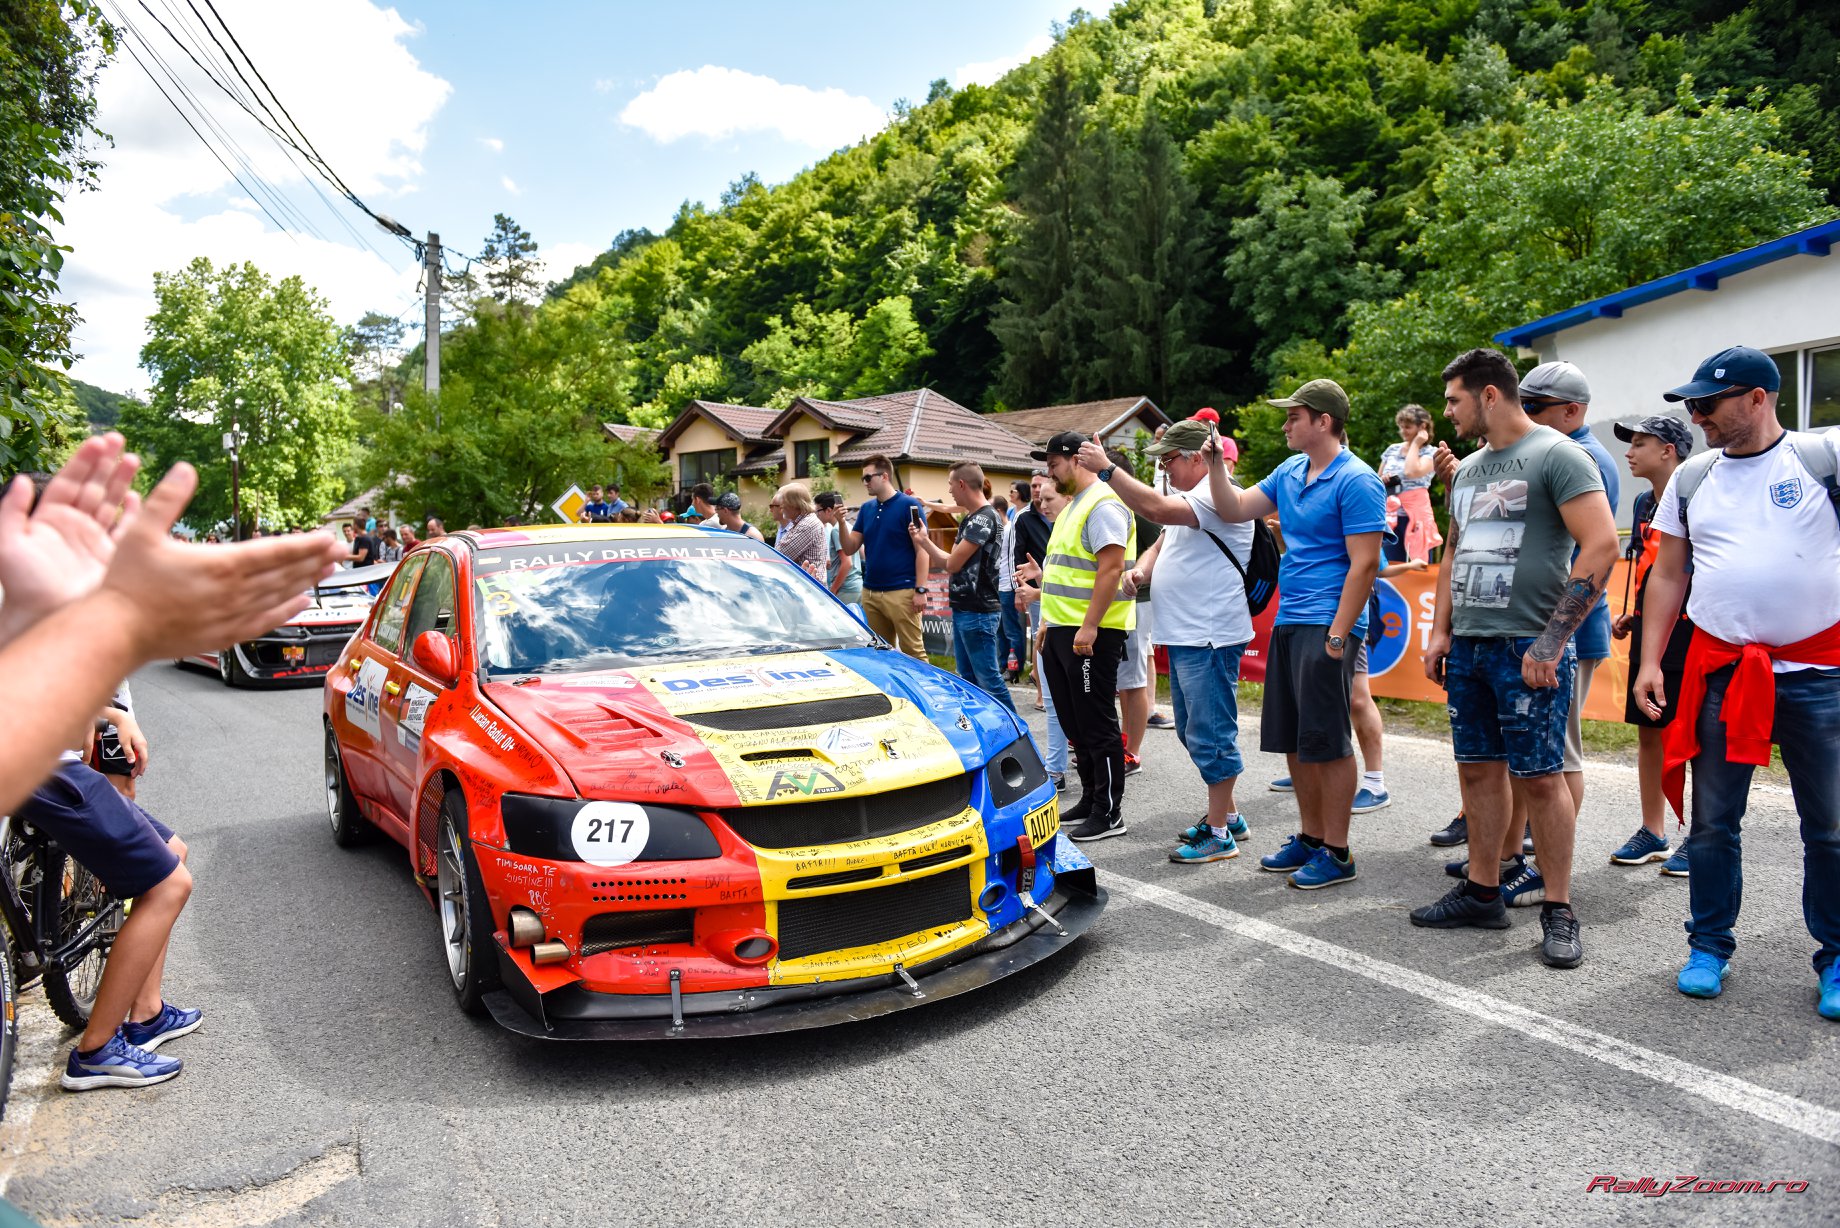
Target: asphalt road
{"type": "Point", "coordinates": [1220, 1048]}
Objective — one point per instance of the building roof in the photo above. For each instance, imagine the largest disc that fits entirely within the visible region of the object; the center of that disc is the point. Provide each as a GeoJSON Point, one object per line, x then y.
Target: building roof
{"type": "Point", "coordinates": [925, 427]}
{"type": "Point", "coordinates": [743, 423]}
{"type": "Point", "coordinates": [1087, 417]}
{"type": "Point", "coordinates": [1814, 241]}
{"type": "Point", "coordinates": [627, 433]}
{"type": "Point", "coordinates": [833, 415]}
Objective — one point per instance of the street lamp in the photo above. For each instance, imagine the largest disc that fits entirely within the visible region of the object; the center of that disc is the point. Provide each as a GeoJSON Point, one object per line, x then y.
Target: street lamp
{"type": "Point", "coordinates": [233, 443]}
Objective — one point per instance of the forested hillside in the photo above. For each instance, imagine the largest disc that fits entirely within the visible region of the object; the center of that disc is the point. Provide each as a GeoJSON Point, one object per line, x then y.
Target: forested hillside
{"type": "Point", "coordinates": [1205, 200]}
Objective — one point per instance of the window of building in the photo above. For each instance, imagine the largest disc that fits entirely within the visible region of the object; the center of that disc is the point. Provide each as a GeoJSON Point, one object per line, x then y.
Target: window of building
{"type": "Point", "coordinates": [694, 467]}
{"type": "Point", "coordinates": [1823, 388]}
{"type": "Point", "coordinates": [806, 452]}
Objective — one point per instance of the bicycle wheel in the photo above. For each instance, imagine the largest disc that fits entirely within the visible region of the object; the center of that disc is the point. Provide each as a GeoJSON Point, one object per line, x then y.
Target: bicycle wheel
{"type": "Point", "coordinates": [9, 1024]}
{"type": "Point", "coordinates": [79, 934]}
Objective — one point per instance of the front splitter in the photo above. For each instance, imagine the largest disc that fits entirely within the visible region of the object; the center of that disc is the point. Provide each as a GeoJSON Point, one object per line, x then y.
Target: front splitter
{"type": "Point", "coordinates": [887, 995]}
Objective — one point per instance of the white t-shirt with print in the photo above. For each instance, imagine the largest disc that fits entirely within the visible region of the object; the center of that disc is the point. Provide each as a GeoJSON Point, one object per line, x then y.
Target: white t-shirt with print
{"type": "Point", "coordinates": [1766, 550]}
{"type": "Point", "coordinates": [1200, 599]}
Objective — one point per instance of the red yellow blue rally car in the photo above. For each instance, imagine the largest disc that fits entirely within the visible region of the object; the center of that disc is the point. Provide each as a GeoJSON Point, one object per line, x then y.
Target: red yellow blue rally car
{"type": "Point", "coordinates": [660, 783]}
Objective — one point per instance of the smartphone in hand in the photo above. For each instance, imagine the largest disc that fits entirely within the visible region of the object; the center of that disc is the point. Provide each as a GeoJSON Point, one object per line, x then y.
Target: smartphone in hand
{"type": "Point", "coordinates": [916, 518]}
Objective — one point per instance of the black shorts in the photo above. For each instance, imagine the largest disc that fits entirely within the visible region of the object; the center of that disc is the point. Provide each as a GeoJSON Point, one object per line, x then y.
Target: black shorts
{"type": "Point", "coordinates": [111, 837]}
{"type": "Point", "coordinates": [1308, 696]}
{"type": "Point", "coordinates": [1673, 670]}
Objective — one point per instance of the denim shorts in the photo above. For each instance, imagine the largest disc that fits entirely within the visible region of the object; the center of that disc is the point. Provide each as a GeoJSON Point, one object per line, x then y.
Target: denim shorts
{"type": "Point", "coordinates": [1494, 716]}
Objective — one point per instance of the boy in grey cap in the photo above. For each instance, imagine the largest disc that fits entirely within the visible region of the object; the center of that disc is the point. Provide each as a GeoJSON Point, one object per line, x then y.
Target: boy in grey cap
{"type": "Point", "coordinates": [1657, 445]}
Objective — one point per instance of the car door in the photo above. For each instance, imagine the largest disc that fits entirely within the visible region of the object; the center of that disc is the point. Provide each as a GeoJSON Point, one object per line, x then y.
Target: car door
{"type": "Point", "coordinates": [408, 690]}
{"type": "Point", "coordinates": [369, 668]}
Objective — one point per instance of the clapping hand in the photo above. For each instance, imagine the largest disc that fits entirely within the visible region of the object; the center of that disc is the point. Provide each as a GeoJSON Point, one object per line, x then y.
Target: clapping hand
{"type": "Point", "coordinates": [56, 551]}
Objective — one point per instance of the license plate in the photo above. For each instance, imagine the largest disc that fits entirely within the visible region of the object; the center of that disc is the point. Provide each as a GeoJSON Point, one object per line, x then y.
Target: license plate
{"type": "Point", "coordinates": [294, 652]}
{"type": "Point", "coordinates": [1043, 822]}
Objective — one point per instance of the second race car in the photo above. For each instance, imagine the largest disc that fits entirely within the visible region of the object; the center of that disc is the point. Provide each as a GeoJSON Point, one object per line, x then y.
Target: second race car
{"type": "Point", "coordinates": [304, 647]}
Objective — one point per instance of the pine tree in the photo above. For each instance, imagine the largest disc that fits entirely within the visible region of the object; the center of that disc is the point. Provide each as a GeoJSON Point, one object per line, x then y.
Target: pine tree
{"type": "Point", "coordinates": [510, 257]}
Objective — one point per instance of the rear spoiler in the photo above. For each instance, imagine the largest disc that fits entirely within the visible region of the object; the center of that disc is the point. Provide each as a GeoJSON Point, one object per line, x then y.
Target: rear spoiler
{"type": "Point", "coordinates": [356, 577]}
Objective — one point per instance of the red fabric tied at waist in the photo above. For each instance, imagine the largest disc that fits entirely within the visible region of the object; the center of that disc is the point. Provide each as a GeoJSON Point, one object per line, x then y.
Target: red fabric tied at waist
{"type": "Point", "coordinates": [1750, 701]}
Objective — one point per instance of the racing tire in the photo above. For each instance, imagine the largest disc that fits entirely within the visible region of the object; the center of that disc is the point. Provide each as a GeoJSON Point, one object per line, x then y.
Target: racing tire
{"type": "Point", "coordinates": [467, 943]}
{"type": "Point", "coordinates": [81, 902]}
{"type": "Point", "coordinates": [230, 668]}
{"type": "Point", "coordinates": [349, 826]}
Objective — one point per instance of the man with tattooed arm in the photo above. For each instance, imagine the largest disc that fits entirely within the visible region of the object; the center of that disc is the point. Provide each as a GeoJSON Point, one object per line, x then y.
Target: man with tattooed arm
{"type": "Point", "coordinates": [1510, 595]}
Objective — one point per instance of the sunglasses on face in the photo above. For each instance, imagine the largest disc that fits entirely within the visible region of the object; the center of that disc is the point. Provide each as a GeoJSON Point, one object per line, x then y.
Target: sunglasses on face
{"type": "Point", "coordinates": [870, 477]}
{"type": "Point", "coordinates": [1703, 407]}
{"type": "Point", "coordinates": [1540, 406]}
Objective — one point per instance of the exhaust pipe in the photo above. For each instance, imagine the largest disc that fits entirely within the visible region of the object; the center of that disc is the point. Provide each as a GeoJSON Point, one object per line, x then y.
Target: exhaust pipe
{"type": "Point", "coordinates": [523, 928]}
{"type": "Point", "coordinates": [549, 953]}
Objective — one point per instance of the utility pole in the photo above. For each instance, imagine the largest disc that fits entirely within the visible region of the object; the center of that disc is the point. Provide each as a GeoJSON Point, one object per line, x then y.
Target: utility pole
{"type": "Point", "coordinates": [431, 321]}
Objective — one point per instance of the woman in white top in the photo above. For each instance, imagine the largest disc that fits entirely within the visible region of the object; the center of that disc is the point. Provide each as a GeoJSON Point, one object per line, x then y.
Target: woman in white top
{"type": "Point", "coordinates": [1406, 469]}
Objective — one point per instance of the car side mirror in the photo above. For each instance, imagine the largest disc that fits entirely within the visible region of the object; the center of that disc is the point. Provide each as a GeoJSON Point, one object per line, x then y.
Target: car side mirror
{"type": "Point", "coordinates": [433, 653]}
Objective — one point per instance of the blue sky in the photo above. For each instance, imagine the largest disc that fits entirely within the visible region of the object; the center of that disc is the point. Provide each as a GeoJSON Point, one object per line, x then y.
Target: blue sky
{"type": "Point", "coordinates": [578, 120]}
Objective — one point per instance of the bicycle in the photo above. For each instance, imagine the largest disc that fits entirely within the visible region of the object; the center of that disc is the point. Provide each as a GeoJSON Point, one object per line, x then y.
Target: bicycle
{"type": "Point", "coordinates": [60, 924]}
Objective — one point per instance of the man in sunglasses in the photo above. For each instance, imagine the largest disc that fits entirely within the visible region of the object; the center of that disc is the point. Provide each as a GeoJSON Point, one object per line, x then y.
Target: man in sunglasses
{"type": "Point", "coordinates": [1758, 515]}
{"type": "Point", "coordinates": [894, 569]}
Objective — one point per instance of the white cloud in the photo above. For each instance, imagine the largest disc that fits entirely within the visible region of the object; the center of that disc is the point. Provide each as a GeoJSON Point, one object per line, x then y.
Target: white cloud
{"type": "Point", "coordinates": [721, 102]}
{"type": "Point", "coordinates": [561, 259]}
{"type": "Point", "coordinates": [605, 85]}
{"type": "Point", "coordinates": [164, 199]}
{"type": "Point", "coordinates": [985, 72]}
{"type": "Point", "coordinates": [510, 185]}
{"type": "Point", "coordinates": [492, 143]}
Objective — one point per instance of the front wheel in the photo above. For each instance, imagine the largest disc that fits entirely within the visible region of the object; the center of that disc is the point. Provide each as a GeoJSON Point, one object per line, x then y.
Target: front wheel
{"type": "Point", "coordinates": [466, 921]}
{"type": "Point", "coordinates": [79, 920]}
{"type": "Point", "coordinates": [230, 668]}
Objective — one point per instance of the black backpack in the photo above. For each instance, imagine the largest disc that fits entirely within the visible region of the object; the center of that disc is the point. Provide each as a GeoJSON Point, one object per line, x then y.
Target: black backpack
{"type": "Point", "coordinates": [1260, 572]}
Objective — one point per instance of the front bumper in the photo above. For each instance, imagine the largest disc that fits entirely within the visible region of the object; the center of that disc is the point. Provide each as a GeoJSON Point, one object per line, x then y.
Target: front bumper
{"type": "Point", "coordinates": [276, 658]}
{"type": "Point", "coordinates": [1075, 904]}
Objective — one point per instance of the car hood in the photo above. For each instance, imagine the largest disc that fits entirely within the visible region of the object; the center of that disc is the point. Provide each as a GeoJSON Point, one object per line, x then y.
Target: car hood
{"type": "Point", "coordinates": [758, 730]}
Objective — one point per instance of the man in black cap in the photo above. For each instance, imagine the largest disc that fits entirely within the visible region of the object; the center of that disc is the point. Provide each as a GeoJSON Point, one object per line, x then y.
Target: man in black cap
{"type": "Point", "coordinates": [1761, 511]}
{"type": "Point", "coordinates": [728, 515]}
{"type": "Point", "coordinates": [1657, 445]}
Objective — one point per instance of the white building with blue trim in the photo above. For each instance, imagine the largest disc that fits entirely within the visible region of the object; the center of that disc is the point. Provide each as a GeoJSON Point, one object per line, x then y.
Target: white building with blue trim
{"type": "Point", "coordinates": [1782, 297]}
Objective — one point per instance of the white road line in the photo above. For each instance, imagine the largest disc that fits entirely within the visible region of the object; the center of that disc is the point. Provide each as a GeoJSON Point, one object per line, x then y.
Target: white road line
{"type": "Point", "coordinates": [1813, 1120]}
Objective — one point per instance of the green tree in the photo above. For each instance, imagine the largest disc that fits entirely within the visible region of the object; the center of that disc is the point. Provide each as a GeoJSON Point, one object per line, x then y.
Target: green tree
{"type": "Point", "coordinates": [374, 345]}
{"type": "Point", "coordinates": [510, 260]}
{"type": "Point", "coordinates": [50, 52]}
{"type": "Point", "coordinates": [829, 355]}
{"type": "Point", "coordinates": [231, 348]}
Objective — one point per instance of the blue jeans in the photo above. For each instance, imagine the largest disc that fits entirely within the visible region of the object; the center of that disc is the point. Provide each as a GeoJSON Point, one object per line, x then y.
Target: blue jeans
{"type": "Point", "coordinates": [974, 647]}
{"type": "Point", "coordinates": [1057, 737]}
{"type": "Point", "coordinates": [1494, 715]}
{"type": "Point", "coordinates": [1807, 730]}
{"type": "Point", "coordinates": [1204, 688]}
{"type": "Point", "coordinates": [1010, 635]}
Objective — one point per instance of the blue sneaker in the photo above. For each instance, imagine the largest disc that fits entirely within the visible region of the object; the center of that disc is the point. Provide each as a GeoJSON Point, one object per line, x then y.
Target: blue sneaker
{"type": "Point", "coordinates": [1208, 848]}
{"type": "Point", "coordinates": [1830, 992]}
{"type": "Point", "coordinates": [1524, 886]}
{"type": "Point", "coordinates": [171, 1023]}
{"type": "Point", "coordinates": [1283, 785]}
{"type": "Point", "coordinates": [1293, 854]}
{"type": "Point", "coordinates": [1640, 849]}
{"type": "Point", "coordinates": [117, 1064]}
{"type": "Point", "coordinates": [1236, 827]}
{"type": "Point", "coordinates": [1323, 870]}
{"type": "Point", "coordinates": [1704, 975]}
{"type": "Point", "coordinates": [1366, 799]}
{"type": "Point", "coordinates": [1676, 866]}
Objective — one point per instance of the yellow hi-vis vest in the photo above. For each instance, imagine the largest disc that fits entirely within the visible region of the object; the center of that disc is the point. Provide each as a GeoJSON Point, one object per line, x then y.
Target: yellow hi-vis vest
{"type": "Point", "coordinates": [1067, 574]}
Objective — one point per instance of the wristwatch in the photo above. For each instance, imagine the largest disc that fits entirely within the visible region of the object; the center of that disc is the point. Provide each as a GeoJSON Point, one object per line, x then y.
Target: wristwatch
{"type": "Point", "coordinates": [1337, 642]}
{"type": "Point", "coordinates": [1105, 474]}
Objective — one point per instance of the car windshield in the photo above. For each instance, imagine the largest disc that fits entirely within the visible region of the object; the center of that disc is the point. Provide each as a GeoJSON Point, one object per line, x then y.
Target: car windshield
{"type": "Point", "coordinates": [592, 604]}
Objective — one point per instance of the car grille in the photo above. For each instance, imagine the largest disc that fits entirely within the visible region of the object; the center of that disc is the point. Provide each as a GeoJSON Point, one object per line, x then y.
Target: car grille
{"type": "Point", "coordinates": [877, 915]}
{"type": "Point", "coordinates": [840, 820]}
{"type": "Point", "coordinates": [793, 716]}
{"type": "Point", "coordinates": [611, 931]}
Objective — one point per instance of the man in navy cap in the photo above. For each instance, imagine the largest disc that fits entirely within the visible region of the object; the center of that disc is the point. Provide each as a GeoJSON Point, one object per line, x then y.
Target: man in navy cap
{"type": "Point", "coordinates": [1657, 446]}
{"type": "Point", "coordinates": [1761, 516]}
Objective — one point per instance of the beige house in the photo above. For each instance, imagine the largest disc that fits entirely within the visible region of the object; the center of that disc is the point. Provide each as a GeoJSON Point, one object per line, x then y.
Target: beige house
{"type": "Point", "coordinates": [755, 450]}
{"type": "Point", "coordinates": [1116, 421]}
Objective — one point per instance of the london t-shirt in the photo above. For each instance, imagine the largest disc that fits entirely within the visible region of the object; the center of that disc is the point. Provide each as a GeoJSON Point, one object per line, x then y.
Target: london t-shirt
{"type": "Point", "coordinates": [887, 550]}
{"type": "Point", "coordinates": [1200, 599]}
{"type": "Point", "coordinates": [1513, 552]}
{"type": "Point", "coordinates": [1766, 549]}
{"type": "Point", "coordinates": [972, 589]}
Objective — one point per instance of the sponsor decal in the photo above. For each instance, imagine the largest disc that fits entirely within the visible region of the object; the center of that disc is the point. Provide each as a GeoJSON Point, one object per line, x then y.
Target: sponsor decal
{"type": "Point", "coordinates": [814, 782]}
{"type": "Point", "coordinates": [496, 733]}
{"type": "Point", "coordinates": [603, 682]}
{"type": "Point", "coordinates": [747, 679]}
{"type": "Point", "coordinates": [1786, 494]}
{"type": "Point", "coordinates": [414, 714]}
{"type": "Point", "coordinates": [1396, 623]}
{"type": "Point", "coordinates": [363, 701]}
{"type": "Point", "coordinates": [840, 741]}
{"type": "Point", "coordinates": [1042, 823]}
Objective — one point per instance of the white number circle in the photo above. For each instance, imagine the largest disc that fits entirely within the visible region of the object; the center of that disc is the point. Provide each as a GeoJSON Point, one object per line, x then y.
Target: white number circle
{"type": "Point", "coordinates": [610, 833]}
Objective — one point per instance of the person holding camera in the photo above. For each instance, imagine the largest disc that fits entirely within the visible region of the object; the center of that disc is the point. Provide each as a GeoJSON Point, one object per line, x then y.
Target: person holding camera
{"type": "Point", "coordinates": [1406, 472]}
{"type": "Point", "coordinates": [894, 569]}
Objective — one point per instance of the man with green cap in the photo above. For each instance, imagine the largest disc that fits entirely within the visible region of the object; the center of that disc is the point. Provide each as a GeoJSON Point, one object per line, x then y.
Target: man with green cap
{"type": "Point", "coordinates": [1332, 509]}
{"type": "Point", "coordinates": [1202, 619]}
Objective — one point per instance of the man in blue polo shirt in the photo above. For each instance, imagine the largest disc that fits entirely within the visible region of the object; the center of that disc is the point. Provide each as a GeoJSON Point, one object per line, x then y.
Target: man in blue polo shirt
{"type": "Point", "coordinates": [894, 569]}
{"type": "Point", "coordinates": [1332, 509]}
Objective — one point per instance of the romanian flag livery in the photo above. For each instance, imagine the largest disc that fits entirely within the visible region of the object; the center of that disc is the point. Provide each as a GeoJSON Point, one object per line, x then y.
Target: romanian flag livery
{"type": "Point", "coordinates": [703, 845]}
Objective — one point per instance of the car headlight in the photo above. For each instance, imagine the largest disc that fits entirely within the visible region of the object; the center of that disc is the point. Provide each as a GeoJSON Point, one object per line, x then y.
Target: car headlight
{"type": "Point", "coordinates": [1014, 772]}
{"type": "Point", "coordinates": [603, 833]}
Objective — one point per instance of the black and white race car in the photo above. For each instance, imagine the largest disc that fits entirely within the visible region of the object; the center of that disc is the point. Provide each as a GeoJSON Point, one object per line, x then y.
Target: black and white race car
{"type": "Point", "coordinates": [308, 644]}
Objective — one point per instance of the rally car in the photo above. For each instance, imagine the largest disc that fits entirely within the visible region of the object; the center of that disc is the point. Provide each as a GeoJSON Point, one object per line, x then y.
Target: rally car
{"type": "Point", "coordinates": [306, 645]}
{"type": "Point", "coordinates": [658, 782]}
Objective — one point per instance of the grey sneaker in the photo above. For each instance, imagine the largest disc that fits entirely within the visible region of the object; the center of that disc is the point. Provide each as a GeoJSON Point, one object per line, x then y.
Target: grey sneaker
{"type": "Point", "coordinates": [1459, 908]}
{"type": "Point", "coordinates": [1560, 947]}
